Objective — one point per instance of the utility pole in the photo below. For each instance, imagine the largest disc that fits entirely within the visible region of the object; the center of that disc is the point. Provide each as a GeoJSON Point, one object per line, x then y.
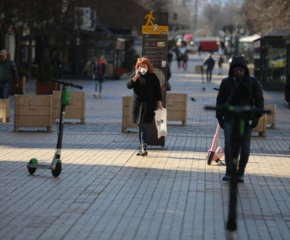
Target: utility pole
{"type": "Point", "coordinates": [195, 15]}
{"type": "Point", "coordinates": [78, 42]}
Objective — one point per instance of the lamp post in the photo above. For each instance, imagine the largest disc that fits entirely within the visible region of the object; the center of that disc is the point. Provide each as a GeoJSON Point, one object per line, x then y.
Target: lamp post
{"type": "Point", "coordinates": [237, 38]}
{"type": "Point", "coordinates": [79, 15]}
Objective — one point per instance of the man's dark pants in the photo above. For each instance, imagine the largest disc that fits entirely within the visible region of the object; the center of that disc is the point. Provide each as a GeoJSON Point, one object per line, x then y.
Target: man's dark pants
{"type": "Point", "coordinates": [208, 75]}
{"type": "Point", "coordinates": [245, 147]}
{"type": "Point", "coordinates": [4, 90]}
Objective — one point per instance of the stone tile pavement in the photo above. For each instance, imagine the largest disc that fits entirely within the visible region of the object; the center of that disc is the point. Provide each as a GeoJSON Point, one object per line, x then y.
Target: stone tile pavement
{"type": "Point", "coordinates": [105, 191]}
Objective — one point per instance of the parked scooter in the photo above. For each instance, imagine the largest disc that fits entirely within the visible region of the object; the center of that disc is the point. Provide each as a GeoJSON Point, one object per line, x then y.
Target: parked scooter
{"type": "Point", "coordinates": [56, 164]}
{"type": "Point", "coordinates": [215, 153]}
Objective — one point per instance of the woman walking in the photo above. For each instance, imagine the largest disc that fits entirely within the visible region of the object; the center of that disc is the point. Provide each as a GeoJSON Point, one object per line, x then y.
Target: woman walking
{"type": "Point", "coordinates": [146, 99]}
{"type": "Point", "coordinates": [100, 70]}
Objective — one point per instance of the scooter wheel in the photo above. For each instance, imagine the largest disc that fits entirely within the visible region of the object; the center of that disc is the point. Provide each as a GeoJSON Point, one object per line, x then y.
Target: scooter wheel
{"type": "Point", "coordinates": [33, 161]}
{"type": "Point", "coordinates": [210, 158]}
{"type": "Point", "coordinates": [217, 160]}
{"type": "Point", "coordinates": [57, 169]}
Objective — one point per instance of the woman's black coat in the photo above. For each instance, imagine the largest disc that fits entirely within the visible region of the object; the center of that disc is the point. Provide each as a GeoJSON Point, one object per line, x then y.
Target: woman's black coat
{"type": "Point", "coordinates": [146, 93]}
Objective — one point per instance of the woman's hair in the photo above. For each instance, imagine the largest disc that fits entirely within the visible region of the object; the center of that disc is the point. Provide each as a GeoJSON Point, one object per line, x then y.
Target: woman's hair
{"type": "Point", "coordinates": [144, 60]}
{"type": "Point", "coordinates": [102, 57]}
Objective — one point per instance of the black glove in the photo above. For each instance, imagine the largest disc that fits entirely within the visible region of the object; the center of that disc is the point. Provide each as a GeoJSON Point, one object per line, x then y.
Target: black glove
{"type": "Point", "coordinates": [254, 123]}
{"type": "Point", "coordinates": [221, 122]}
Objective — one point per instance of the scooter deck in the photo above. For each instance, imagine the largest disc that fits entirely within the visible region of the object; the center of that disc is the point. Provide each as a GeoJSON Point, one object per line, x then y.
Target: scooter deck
{"type": "Point", "coordinates": [41, 166]}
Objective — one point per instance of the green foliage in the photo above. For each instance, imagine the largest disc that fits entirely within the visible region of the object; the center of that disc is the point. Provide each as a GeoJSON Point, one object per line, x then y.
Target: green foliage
{"type": "Point", "coordinates": [55, 73]}
{"type": "Point", "coordinates": [44, 73]}
{"type": "Point", "coordinates": [22, 71]}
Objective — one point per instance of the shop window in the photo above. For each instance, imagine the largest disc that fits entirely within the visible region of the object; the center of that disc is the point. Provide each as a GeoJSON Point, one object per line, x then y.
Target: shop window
{"type": "Point", "coordinates": [276, 65]}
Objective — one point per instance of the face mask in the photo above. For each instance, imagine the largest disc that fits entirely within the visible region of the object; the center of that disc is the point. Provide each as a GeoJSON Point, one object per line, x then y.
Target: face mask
{"type": "Point", "coordinates": [143, 71]}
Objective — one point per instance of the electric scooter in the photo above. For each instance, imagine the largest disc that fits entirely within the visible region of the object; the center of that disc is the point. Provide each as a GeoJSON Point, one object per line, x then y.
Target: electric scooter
{"type": "Point", "coordinates": [215, 154]}
{"type": "Point", "coordinates": [236, 138]}
{"type": "Point", "coordinates": [56, 166]}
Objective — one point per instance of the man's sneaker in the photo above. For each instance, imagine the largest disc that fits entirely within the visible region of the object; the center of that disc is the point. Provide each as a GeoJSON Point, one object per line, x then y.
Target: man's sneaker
{"type": "Point", "coordinates": [227, 177]}
{"type": "Point", "coordinates": [240, 178]}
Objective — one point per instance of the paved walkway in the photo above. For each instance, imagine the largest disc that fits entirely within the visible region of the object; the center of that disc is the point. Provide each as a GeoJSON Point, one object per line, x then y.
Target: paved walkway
{"type": "Point", "coordinates": [107, 192]}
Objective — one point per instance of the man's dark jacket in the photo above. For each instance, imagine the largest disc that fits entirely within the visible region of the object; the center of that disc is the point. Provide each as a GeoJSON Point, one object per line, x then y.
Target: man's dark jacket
{"type": "Point", "coordinates": [147, 92]}
{"type": "Point", "coordinates": [209, 63]}
{"type": "Point", "coordinates": [8, 72]}
{"type": "Point", "coordinates": [239, 92]}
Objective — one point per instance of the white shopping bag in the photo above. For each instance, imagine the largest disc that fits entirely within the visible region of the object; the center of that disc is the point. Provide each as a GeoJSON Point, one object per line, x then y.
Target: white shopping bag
{"type": "Point", "coordinates": [161, 122]}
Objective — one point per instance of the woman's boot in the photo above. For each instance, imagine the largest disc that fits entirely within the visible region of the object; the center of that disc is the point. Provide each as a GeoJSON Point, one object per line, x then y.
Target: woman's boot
{"type": "Point", "coordinates": [145, 149]}
{"type": "Point", "coordinates": [142, 152]}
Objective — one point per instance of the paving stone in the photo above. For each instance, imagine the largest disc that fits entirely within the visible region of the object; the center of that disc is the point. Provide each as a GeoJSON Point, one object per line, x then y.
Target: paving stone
{"type": "Point", "coordinates": [105, 191]}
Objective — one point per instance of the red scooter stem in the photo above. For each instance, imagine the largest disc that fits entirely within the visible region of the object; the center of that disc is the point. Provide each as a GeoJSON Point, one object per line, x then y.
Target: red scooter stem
{"type": "Point", "coordinates": [215, 138]}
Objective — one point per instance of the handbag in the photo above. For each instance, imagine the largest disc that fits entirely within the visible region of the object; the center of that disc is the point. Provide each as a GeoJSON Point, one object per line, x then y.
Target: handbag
{"type": "Point", "coordinates": [161, 122]}
{"type": "Point", "coordinates": [167, 86]}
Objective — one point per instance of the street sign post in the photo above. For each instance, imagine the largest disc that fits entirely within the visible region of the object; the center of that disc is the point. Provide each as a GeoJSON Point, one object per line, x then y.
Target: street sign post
{"type": "Point", "coordinates": [155, 33]}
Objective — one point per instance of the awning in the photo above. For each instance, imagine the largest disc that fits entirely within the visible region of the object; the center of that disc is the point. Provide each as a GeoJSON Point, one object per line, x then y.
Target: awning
{"type": "Point", "coordinates": [283, 33]}
{"type": "Point", "coordinates": [249, 39]}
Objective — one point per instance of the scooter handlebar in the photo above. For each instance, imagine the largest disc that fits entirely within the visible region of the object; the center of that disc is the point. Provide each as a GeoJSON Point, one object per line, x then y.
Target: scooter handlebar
{"type": "Point", "coordinates": [239, 109]}
{"type": "Point", "coordinates": [67, 83]}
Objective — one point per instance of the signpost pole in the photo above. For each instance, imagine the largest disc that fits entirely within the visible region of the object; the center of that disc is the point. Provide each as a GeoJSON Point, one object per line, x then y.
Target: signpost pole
{"type": "Point", "coordinates": [155, 48]}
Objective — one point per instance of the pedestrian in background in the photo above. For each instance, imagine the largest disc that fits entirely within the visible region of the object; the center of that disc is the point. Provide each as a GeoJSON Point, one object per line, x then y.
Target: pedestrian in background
{"type": "Point", "coordinates": [184, 55]}
{"type": "Point", "coordinates": [184, 60]}
{"type": "Point", "coordinates": [199, 49]}
{"type": "Point", "coordinates": [178, 56]}
{"type": "Point", "coordinates": [220, 64]}
{"type": "Point", "coordinates": [168, 76]}
{"type": "Point", "coordinates": [287, 90]}
{"type": "Point", "coordinates": [169, 57]}
{"type": "Point", "coordinates": [8, 74]}
{"type": "Point", "coordinates": [100, 70]}
{"type": "Point", "coordinates": [239, 89]}
{"type": "Point", "coordinates": [146, 99]}
{"type": "Point", "coordinates": [209, 63]}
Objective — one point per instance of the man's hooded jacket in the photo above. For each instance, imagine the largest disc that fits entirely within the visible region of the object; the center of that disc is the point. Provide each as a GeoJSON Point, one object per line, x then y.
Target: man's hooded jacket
{"type": "Point", "coordinates": [246, 91]}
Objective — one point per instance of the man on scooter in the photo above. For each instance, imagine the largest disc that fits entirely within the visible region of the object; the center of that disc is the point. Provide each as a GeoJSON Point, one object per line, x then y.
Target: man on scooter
{"type": "Point", "coordinates": [239, 89]}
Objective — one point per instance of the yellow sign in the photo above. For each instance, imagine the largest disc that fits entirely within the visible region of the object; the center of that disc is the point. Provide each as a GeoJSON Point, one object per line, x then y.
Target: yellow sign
{"type": "Point", "coordinates": [149, 17]}
{"type": "Point", "coordinates": [155, 30]}
{"type": "Point", "coordinates": [151, 28]}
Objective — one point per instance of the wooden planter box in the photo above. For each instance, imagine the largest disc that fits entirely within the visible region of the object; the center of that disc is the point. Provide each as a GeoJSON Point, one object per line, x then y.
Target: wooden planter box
{"type": "Point", "coordinates": [271, 118]}
{"type": "Point", "coordinates": [198, 69]}
{"type": "Point", "coordinates": [262, 126]}
{"type": "Point", "coordinates": [46, 88]}
{"type": "Point", "coordinates": [75, 110]}
{"type": "Point", "coordinates": [21, 87]}
{"type": "Point", "coordinates": [126, 114]}
{"type": "Point", "coordinates": [5, 110]}
{"type": "Point", "coordinates": [33, 111]}
{"type": "Point", "coordinates": [176, 105]}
